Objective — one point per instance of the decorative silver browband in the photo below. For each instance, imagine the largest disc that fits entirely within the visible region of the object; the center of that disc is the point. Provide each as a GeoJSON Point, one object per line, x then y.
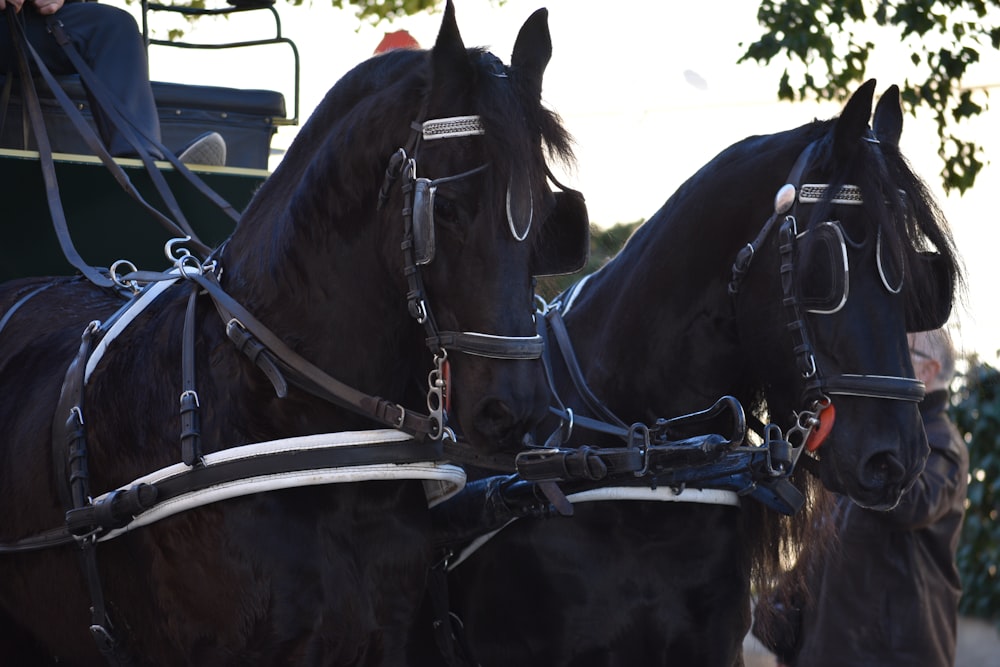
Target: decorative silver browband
{"type": "Point", "coordinates": [449, 128]}
{"type": "Point", "coordinates": [812, 193]}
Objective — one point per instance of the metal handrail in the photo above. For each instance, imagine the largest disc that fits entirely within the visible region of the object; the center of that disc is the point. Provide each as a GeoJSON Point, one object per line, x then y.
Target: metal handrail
{"type": "Point", "coordinates": [242, 6]}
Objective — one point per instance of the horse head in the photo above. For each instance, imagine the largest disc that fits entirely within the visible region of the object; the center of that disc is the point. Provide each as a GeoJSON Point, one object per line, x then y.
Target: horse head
{"type": "Point", "coordinates": [443, 153]}
{"type": "Point", "coordinates": [859, 255]}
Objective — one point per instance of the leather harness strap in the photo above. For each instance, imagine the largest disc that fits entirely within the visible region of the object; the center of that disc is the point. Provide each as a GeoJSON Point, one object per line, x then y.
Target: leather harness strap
{"type": "Point", "coordinates": [73, 484]}
{"type": "Point", "coordinates": [34, 110]}
{"type": "Point", "coordinates": [189, 404]}
{"type": "Point", "coordinates": [306, 375]}
{"type": "Point", "coordinates": [565, 346]}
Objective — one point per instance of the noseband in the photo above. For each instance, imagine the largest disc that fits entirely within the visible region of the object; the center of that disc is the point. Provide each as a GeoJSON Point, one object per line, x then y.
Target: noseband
{"type": "Point", "coordinates": [818, 386]}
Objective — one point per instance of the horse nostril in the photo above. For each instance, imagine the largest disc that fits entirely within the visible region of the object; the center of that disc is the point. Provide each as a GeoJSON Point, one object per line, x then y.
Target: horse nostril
{"type": "Point", "coordinates": [495, 419]}
{"type": "Point", "coordinates": [884, 470]}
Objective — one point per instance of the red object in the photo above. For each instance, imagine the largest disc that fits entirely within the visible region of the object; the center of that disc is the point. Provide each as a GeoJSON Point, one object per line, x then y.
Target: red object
{"type": "Point", "coordinates": [396, 40]}
{"type": "Point", "coordinates": [826, 418]}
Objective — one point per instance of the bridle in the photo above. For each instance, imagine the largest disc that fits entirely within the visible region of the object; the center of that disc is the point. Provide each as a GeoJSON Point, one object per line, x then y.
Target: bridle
{"type": "Point", "coordinates": [812, 422]}
{"type": "Point", "coordinates": [418, 248]}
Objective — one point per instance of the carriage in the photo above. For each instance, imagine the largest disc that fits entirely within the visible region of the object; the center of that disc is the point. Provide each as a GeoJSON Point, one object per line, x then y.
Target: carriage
{"type": "Point", "coordinates": [255, 451]}
{"type": "Point", "coordinates": [116, 226]}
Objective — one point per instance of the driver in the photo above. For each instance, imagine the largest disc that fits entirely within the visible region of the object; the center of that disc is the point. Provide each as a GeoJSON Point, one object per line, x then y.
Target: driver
{"type": "Point", "coordinates": [108, 39]}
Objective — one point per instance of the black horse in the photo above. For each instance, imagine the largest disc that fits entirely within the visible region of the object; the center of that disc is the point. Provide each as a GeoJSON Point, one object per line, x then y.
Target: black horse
{"type": "Point", "coordinates": [797, 305]}
{"type": "Point", "coordinates": [395, 242]}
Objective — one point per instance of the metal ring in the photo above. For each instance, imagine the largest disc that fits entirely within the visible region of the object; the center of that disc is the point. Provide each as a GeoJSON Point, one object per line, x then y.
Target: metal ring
{"type": "Point", "coordinates": [116, 278]}
{"type": "Point", "coordinates": [569, 432]}
{"type": "Point", "coordinates": [186, 262]}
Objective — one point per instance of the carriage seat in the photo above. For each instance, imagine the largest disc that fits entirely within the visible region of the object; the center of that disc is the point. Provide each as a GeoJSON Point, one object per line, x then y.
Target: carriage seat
{"type": "Point", "coordinates": [247, 119]}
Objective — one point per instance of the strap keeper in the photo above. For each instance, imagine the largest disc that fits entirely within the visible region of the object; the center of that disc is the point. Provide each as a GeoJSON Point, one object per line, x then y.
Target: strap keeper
{"type": "Point", "coordinates": [190, 432]}
{"type": "Point", "coordinates": [258, 353]}
{"type": "Point", "coordinates": [389, 413]}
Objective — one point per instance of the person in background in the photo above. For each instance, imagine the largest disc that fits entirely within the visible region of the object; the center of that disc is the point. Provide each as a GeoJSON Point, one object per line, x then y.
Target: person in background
{"type": "Point", "coordinates": [108, 39]}
{"type": "Point", "coordinates": [400, 39]}
{"type": "Point", "coordinates": [887, 593]}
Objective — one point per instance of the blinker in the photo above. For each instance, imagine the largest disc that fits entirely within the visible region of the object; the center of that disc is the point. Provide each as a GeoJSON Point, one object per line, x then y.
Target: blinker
{"type": "Point", "coordinates": [424, 190]}
{"type": "Point", "coordinates": [822, 272]}
{"type": "Point", "coordinates": [423, 221]}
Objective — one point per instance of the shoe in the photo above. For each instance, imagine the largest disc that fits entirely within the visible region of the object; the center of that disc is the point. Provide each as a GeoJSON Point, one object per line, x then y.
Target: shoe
{"type": "Point", "coordinates": [208, 149]}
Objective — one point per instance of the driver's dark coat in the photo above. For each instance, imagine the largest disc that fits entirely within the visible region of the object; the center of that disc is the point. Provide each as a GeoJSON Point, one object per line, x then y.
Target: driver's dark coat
{"type": "Point", "coordinates": [889, 594]}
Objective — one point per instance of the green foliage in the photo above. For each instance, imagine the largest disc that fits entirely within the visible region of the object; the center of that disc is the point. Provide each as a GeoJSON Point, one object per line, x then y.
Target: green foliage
{"type": "Point", "coordinates": [828, 59]}
{"type": "Point", "coordinates": [376, 11]}
{"type": "Point", "coordinates": [976, 411]}
{"type": "Point", "coordinates": [604, 244]}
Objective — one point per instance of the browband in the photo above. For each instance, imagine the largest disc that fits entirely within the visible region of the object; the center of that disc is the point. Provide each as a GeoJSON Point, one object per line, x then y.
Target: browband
{"type": "Point", "coordinates": [456, 126]}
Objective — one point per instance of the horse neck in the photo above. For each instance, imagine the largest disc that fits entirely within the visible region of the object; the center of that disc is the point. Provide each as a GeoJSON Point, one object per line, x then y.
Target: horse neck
{"type": "Point", "coordinates": [658, 322]}
{"type": "Point", "coordinates": [318, 278]}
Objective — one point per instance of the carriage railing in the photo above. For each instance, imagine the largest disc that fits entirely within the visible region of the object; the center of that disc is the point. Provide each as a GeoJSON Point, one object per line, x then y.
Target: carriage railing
{"type": "Point", "coordinates": [236, 6]}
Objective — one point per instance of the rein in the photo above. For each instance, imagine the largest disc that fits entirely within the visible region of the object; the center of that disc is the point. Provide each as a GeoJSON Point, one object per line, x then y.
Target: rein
{"type": "Point", "coordinates": [24, 49]}
{"type": "Point", "coordinates": [657, 455]}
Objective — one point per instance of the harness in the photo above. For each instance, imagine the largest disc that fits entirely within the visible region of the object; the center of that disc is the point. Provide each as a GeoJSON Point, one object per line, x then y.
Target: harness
{"type": "Point", "coordinates": [658, 455]}
{"type": "Point", "coordinates": [412, 450]}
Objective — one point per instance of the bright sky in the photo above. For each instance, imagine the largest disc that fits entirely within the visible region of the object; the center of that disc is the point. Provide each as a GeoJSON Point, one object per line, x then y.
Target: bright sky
{"type": "Point", "coordinates": [650, 89]}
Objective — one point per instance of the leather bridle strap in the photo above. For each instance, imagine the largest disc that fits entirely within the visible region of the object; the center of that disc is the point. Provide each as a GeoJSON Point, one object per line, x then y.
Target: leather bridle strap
{"type": "Point", "coordinates": [488, 345]}
{"type": "Point", "coordinates": [876, 386]}
{"type": "Point", "coordinates": [782, 204]}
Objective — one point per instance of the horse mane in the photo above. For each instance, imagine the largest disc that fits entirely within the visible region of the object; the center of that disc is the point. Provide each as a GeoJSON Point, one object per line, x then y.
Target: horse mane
{"type": "Point", "coordinates": [347, 142]}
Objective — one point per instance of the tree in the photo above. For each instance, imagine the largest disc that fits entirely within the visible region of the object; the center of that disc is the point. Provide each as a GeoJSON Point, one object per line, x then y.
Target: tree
{"type": "Point", "coordinates": [976, 411]}
{"type": "Point", "coordinates": [828, 42]}
{"type": "Point", "coordinates": [376, 11]}
{"type": "Point", "coordinates": [604, 244]}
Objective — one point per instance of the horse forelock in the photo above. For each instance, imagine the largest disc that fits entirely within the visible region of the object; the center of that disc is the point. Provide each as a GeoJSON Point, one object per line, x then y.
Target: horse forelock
{"type": "Point", "coordinates": [899, 207]}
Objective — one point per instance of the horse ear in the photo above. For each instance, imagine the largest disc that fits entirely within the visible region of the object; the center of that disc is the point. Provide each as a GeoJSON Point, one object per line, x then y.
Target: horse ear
{"type": "Point", "coordinates": [532, 50]}
{"type": "Point", "coordinates": [449, 54]}
{"type": "Point", "coordinates": [888, 123]}
{"type": "Point", "coordinates": [853, 122]}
